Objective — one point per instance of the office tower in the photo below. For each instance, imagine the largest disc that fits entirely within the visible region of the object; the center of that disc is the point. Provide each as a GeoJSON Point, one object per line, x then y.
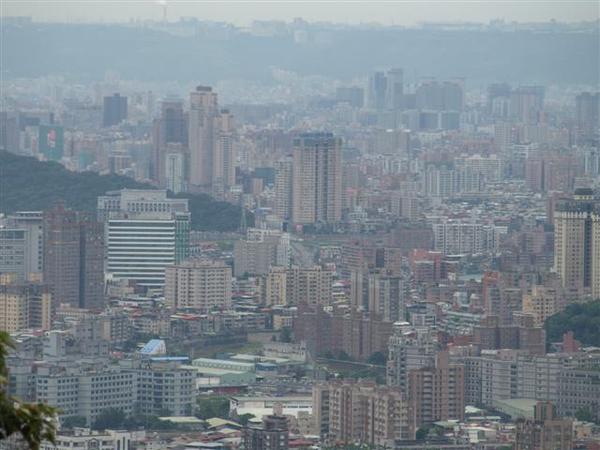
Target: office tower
{"type": "Point", "coordinates": [587, 115]}
{"type": "Point", "coordinates": [437, 393]}
{"type": "Point", "coordinates": [145, 233]}
{"type": "Point", "coordinates": [283, 189]}
{"type": "Point", "coordinates": [115, 110]}
{"type": "Point", "coordinates": [32, 224]}
{"type": "Point", "coordinates": [527, 104]}
{"type": "Point", "coordinates": [175, 158]}
{"type": "Point", "coordinates": [272, 434]}
{"type": "Point", "coordinates": [201, 134]}
{"type": "Point", "coordinates": [74, 258]}
{"type": "Point", "coordinates": [317, 182]}
{"type": "Point", "coordinates": [198, 285]}
{"type": "Point", "coordinates": [544, 431]}
{"type": "Point", "coordinates": [577, 241]}
{"type": "Point", "coordinates": [91, 267]}
{"type": "Point", "coordinates": [376, 91]}
{"type": "Point", "coordinates": [14, 244]}
{"type": "Point", "coordinates": [394, 92]}
{"type": "Point", "coordinates": [62, 262]}
{"type": "Point", "coordinates": [410, 348]}
{"type": "Point", "coordinates": [361, 412]}
{"type": "Point", "coordinates": [170, 129]}
{"type": "Point", "coordinates": [24, 306]}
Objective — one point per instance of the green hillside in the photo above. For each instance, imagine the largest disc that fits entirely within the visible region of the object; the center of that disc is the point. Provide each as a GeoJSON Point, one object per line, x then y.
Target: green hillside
{"type": "Point", "coordinates": [30, 185]}
{"type": "Point", "coordinates": [583, 319]}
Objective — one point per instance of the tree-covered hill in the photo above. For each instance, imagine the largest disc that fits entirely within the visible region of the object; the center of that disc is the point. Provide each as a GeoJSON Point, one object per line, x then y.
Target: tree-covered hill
{"type": "Point", "coordinates": [28, 184]}
{"type": "Point", "coordinates": [581, 318]}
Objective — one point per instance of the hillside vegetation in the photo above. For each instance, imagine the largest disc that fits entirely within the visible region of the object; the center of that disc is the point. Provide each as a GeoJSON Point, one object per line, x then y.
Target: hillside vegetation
{"type": "Point", "coordinates": [581, 318]}
{"type": "Point", "coordinates": [28, 184]}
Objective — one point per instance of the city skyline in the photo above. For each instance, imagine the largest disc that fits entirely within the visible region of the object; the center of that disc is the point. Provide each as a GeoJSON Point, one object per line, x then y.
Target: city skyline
{"type": "Point", "coordinates": [243, 13]}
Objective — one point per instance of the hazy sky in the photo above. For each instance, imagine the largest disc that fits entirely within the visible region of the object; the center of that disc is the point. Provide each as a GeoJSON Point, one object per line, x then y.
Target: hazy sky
{"type": "Point", "coordinates": [397, 12]}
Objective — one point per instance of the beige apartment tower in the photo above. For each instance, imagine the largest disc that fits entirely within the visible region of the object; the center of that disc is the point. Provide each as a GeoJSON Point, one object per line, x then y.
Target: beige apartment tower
{"type": "Point", "coordinates": [198, 285]}
{"type": "Point", "coordinates": [317, 179]}
{"type": "Point", "coordinates": [24, 306]}
{"type": "Point", "coordinates": [577, 241]}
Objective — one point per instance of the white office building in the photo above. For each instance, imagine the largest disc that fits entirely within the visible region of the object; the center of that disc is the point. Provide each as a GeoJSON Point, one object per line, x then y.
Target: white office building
{"type": "Point", "coordinates": [145, 233]}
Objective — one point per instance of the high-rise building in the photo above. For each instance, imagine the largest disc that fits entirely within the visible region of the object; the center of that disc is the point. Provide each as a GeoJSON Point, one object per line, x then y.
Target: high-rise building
{"type": "Point", "coordinates": [272, 434]}
{"type": "Point", "coordinates": [260, 250]}
{"type": "Point", "coordinates": [379, 292]}
{"type": "Point", "coordinates": [361, 412]}
{"type": "Point", "coordinates": [14, 245]}
{"type": "Point", "coordinates": [376, 91]}
{"type": "Point", "coordinates": [31, 222]}
{"type": "Point", "coordinates": [437, 393]}
{"type": "Point", "coordinates": [317, 182]}
{"type": "Point", "coordinates": [577, 241]}
{"type": "Point", "coordinates": [283, 189]}
{"type": "Point", "coordinates": [394, 92]}
{"type": "Point", "coordinates": [224, 154]}
{"type": "Point", "coordinates": [308, 286]}
{"type": "Point", "coordinates": [198, 285]}
{"type": "Point", "coordinates": [74, 258]}
{"type": "Point", "coordinates": [211, 143]}
{"type": "Point", "coordinates": [175, 165]}
{"type": "Point", "coordinates": [115, 110]}
{"type": "Point", "coordinates": [170, 128]}
{"type": "Point", "coordinates": [24, 306]}
{"type": "Point", "coordinates": [201, 132]}
{"type": "Point", "coordinates": [145, 233]}
{"type": "Point", "coordinates": [527, 104]}
{"type": "Point", "coordinates": [410, 348]}
{"type": "Point", "coordinates": [498, 95]}
{"type": "Point", "coordinates": [544, 431]}
{"type": "Point", "coordinates": [587, 115]}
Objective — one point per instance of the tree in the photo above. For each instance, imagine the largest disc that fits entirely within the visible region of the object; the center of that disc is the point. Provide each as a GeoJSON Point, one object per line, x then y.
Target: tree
{"type": "Point", "coordinates": [377, 359]}
{"type": "Point", "coordinates": [73, 421]}
{"type": "Point", "coordinates": [581, 318]}
{"type": "Point", "coordinates": [286, 335]}
{"type": "Point", "coordinates": [215, 406]}
{"type": "Point", "coordinates": [585, 414]}
{"type": "Point", "coordinates": [245, 418]}
{"type": "Point", "coordinates": [110, 418]}
{"type": "Point", "coordinates": [34, 422]}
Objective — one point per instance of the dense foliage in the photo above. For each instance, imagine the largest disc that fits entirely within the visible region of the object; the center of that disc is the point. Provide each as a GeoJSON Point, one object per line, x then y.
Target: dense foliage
{"type": "Point", "coordinates": [34, 422]}
{"type": "Point", "coordinates": [581, 318]}
{"type": "Point", "coordinates": [115, 419]}
{"type": "Point", "coordinates": [28, 184]}
{"type": "Point", "coordinates": [214, 406]}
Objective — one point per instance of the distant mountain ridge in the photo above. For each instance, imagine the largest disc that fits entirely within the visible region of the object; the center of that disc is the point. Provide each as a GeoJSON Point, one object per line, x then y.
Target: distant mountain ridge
{"type": "Point", "coordinates": [87, 51]}
{"type": "Point", "coordinates": [27, 184]}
